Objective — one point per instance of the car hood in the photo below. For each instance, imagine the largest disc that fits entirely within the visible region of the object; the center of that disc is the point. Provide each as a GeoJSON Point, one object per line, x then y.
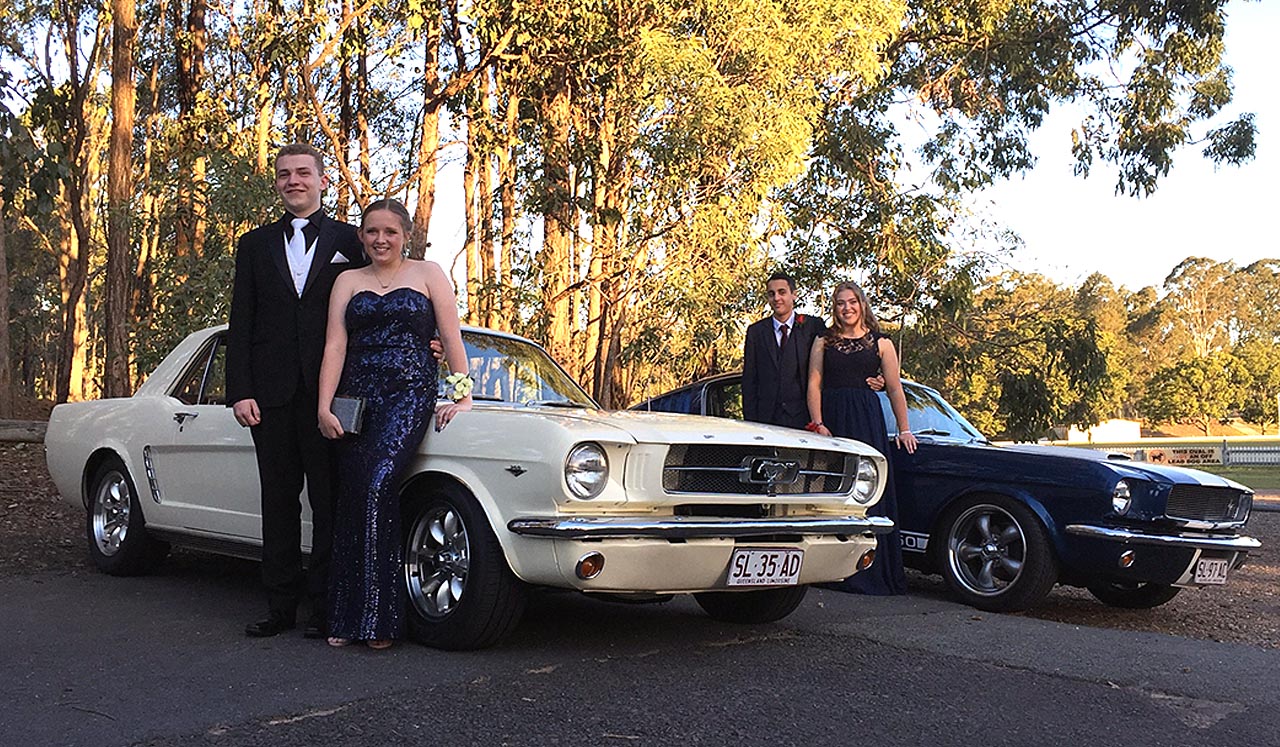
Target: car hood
{"type": "Point", "coordinates": [668, 428]}
{"type": "Point", "coordinates": [1128, 467]}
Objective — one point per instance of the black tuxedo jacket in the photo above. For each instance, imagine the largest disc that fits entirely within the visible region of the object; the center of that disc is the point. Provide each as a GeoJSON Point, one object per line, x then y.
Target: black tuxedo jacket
{"type": "Point", "coordinates": [276, 339]}
{"type": "Point", "coordinates": [761, 364]}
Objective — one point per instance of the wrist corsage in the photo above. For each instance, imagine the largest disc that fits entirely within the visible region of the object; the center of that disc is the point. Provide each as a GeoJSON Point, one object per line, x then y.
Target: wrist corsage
{"type": "Point", "coordinates": [459, 386]}
{"type": "Point", "coordinates": [813, 426]}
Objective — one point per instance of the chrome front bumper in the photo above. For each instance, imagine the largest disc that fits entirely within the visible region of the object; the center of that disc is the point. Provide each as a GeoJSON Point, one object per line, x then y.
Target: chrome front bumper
{"type": "Point", "coordinates": [1231, 544]}
{"type": "Point", "coordinates": [695, 527]}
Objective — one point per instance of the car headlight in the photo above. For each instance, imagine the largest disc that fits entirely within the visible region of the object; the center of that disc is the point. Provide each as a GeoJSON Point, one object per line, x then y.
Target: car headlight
{"type": "Point", "coordinates": [864, 484]}
{"type": "Point", "coordinates": [1121, 499]}
{"type": "Point", "coordinates": [586, 470]}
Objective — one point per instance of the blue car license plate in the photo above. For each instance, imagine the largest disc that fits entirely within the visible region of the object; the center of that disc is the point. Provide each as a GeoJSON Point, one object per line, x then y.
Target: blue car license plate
{"type": "Point", "coordinates": [1212, 570]}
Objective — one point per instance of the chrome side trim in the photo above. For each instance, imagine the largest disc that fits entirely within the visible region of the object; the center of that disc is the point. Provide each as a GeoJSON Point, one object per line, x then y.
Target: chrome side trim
{"type": "Point", "coordinates": [1235, 544]}
{"type": "Point", "coordinates": [694, 527]}
{"type": "Point", "coordinates": [152, 482]}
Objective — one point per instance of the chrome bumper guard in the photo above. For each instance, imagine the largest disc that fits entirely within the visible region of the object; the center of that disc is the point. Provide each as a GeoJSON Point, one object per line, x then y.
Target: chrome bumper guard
{"type": "Point", "coordinates": [695, 527]}
{"type": "Point", "coordinates": [1233, 544]}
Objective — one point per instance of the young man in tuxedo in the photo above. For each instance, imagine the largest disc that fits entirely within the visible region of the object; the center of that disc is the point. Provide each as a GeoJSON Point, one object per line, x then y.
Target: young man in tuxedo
{"type": "Point", "coordinates": [279, 307]}
{"type": "Point", "coordinates": [775, 359]}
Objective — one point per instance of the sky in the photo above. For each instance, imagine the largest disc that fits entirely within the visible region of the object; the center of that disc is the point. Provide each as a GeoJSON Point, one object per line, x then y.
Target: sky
{"type": "Point", "coordinates": [1073, 226]}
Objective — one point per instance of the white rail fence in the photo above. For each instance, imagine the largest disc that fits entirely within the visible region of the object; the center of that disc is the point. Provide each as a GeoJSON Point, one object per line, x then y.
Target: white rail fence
{"type": "Point", "coordinates": [1226, 452]}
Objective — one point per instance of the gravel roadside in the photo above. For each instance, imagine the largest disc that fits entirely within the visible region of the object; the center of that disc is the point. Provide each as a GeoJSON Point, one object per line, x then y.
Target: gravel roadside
{"type": "Point", "coordinates": [39, 532]}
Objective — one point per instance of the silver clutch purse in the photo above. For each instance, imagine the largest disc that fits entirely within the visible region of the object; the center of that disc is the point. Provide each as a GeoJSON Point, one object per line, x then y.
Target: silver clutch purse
{"type": "Point", "coordinates": [350, 413]}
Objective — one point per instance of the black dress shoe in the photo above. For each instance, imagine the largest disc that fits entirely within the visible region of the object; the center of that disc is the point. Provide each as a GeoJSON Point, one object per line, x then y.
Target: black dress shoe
{"type": "Point", "coordinates": [317, 627]}
{"type": "Point", "coordinates": [275, 623]}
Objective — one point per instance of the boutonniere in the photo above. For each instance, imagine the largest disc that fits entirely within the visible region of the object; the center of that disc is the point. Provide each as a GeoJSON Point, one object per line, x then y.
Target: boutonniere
{"type": "Point", "coordinates": [799, 319]}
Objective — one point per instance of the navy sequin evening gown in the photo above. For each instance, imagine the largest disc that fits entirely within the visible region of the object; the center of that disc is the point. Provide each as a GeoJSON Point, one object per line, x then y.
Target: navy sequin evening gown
{"type": "Point", "coordinates": [852, 410]}
{"type": "Point", "coordinates": [389, 363]}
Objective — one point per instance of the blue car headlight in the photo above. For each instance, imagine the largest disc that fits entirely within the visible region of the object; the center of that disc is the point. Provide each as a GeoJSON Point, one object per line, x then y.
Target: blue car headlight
{"type": "Point", "coordinates": [1121, 498]}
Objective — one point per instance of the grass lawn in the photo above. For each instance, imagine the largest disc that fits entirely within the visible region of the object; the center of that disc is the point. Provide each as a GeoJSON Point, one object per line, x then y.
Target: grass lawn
{"type": "Point", "coordinates": [1258, 477]}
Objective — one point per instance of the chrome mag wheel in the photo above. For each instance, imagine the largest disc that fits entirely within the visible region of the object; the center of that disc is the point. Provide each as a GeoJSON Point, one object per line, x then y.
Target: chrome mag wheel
{"type": "Point", "coordinates": [437, 561]}
{"type": "Point", "coordinates": [111, 508]}
{"type": "Point", "coordinates": [986, 550]}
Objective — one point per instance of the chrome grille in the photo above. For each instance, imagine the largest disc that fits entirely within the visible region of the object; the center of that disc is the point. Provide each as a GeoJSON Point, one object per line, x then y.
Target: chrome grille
{"type": "Point", "coordinates": [715, 468]}
{"type": "Point", "coordinates": [1204, 503]}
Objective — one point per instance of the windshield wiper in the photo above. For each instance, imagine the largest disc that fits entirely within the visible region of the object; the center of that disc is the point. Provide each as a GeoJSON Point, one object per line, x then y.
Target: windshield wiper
{"type": "Point", "coordinates": [932, 432]}
{"type": "Point", "coordinates": [554, 403]}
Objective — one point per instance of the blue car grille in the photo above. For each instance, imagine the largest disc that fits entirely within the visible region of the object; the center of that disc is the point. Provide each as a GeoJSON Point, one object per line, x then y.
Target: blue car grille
{"type": "Point", "coordinates": [1204, 503]}
{"type": "Point", "coordinates": [713, 468]}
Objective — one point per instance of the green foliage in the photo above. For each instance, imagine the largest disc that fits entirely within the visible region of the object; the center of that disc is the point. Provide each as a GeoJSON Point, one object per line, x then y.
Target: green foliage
{"type": "Point", "coordinates": [1258, 400]}
{"type": "Point", "coordinates": [1200, 391]}
{"type": "Point", "coordinates": [1020, 360]}
{"type": "Point", "coordinates": [688, 146]}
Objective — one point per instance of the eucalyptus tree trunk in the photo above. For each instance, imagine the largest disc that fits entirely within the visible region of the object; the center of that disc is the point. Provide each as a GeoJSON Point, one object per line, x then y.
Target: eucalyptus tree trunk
{"type": "Point", "coordinates": [558, 214]}
{"type": "Point", "coordinates": [141, 303]}
{"type": "Point", "coordinates": [119, 193]}
{"type": "Point", "coordinates": [6, 362]}
{"type": "Point", "coordinates": [484, 187]}
{"type": "Point", "coordinates": [191, 221]}
{"type": "Point", "coordinates": [76, 206]}
{"type": "Point", "coordinates": [428, 137]}
{"type": "Point", "coordinates": [507, 195]}
{"type": "Point", "coordinates": [346, 113]}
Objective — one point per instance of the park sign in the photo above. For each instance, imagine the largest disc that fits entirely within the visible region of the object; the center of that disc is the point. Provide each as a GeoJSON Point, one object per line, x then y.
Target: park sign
{"type": "Point", "coordinates": [1183, 455]}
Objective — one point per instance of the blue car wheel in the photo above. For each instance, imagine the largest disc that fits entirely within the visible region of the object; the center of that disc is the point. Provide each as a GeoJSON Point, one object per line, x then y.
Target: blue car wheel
{"type": "Point", "coordinates": [995, 554]}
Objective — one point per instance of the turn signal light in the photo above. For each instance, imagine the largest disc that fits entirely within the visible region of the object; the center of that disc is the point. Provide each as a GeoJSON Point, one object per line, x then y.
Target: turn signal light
{"type": "Point", "coordinates": [589, 566]}
{"type": "Point", "coordinates": [866, 560]}
{"type": "Point", "coordinates": [1127, 558]}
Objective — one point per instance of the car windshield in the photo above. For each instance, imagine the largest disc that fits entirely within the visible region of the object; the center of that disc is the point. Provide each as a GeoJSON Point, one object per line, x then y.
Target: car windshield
{"type": "Point", "coordinates": [929, 415]}
{"type": "Point", "coordinates": [511, 370]}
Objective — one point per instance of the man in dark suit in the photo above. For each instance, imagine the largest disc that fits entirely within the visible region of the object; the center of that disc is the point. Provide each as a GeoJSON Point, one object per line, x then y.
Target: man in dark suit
{"type": "Point", "coordinates": [775, 359]}
{"type": "Point", "coordinates": [279, 308]}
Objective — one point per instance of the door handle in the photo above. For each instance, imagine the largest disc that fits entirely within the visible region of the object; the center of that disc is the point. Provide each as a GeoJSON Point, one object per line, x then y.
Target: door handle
{"type": "Point", "coordinates": [181, 417]}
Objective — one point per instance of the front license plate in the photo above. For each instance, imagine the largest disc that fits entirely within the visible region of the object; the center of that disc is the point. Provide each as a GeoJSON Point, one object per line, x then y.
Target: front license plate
{"type": "Point", "coordinates": [1211, 571]}
{"type": "Point", "coordinates": [758, 567]}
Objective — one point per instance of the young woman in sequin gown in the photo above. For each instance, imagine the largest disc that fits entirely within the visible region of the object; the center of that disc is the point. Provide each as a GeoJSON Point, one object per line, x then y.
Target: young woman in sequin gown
{"type": "Point", "coordinates": [842, 363]}
{"type": "Point", "coordinates": [378, 346]}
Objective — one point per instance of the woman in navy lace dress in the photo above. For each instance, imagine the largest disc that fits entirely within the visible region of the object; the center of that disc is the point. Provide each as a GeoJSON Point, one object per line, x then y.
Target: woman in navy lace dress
{"type": "Point", "coordinates": [378, 346]}
{"type": "Point", "coordinates": [842, 364]}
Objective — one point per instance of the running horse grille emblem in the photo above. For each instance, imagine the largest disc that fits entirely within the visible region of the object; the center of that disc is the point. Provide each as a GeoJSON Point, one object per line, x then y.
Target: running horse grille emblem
{"type": "Point", "coordinates": [769, 471]}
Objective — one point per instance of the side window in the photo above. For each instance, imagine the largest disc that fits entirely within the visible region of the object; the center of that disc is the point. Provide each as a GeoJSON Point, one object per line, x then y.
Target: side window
{"type": "Point", "coordinates": [681, 402]}
{"type": "Point", "coordinates": [725, 400]}
{"type": "Point", "coordinates": [205, 380]}
{"type": "Point", "coordinates": [214, 391]}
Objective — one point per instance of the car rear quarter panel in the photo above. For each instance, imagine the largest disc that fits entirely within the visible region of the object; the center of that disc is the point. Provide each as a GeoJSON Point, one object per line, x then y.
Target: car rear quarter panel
{"type": "Point", "coordinates": [80, 433]}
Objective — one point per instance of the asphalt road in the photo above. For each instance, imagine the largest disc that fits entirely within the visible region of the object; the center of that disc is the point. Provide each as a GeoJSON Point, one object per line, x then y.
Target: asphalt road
{"type": "Point", "coordinates": [161, 660]}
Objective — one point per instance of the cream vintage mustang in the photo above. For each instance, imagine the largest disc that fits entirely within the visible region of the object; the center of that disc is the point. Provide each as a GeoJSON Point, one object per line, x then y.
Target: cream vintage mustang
{"type": "Point", "coordinates": [536, 486]}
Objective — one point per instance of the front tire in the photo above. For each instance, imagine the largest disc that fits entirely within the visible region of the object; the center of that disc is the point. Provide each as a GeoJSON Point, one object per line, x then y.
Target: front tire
{"type": "Point", "coordinates": [1132, 595]}
{"type": "Point", "coordinates": [994, 554]}
{"type": "Point", "coordinates": [751, 607]}
{"type": "Point", "coordinates": [461, 593]}
{"type": "Point", "coordinates": [117, 532]}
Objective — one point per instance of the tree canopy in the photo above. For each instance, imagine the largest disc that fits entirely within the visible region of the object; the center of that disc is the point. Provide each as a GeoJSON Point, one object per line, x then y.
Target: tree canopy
{"type": "Point", "coordinates": [630, 173]}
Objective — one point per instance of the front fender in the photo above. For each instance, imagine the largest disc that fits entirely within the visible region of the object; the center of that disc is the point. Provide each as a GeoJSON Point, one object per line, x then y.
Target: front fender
{"type": "Point", "coordinates": [1025, 497]}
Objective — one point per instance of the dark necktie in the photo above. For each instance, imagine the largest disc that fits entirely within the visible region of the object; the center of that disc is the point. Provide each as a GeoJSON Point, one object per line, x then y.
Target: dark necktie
{"type": "Point", "coordinates": [782, 341]}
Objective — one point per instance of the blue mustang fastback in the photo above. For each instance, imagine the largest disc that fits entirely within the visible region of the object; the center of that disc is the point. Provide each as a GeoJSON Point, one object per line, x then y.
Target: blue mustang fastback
{"type": "Point", "coordinates": [1003, 524]}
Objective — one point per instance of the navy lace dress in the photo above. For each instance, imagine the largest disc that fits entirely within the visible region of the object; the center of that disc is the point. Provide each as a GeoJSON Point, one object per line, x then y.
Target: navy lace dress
{"type": "Point", "coordinates": [389, 363]}
{"type": "Point", "coordinates": [852, 410]}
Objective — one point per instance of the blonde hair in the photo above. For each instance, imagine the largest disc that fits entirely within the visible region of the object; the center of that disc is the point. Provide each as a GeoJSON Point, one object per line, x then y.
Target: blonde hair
{"type": "Point", "coordinates": [868, 315]}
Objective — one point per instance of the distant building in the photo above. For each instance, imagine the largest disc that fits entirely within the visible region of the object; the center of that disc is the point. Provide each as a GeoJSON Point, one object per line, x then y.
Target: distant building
{"type": "Point", "coordinates": [1108, 431]}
